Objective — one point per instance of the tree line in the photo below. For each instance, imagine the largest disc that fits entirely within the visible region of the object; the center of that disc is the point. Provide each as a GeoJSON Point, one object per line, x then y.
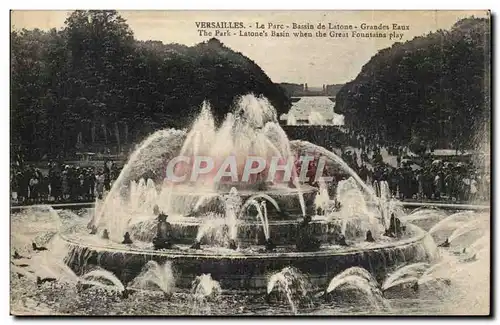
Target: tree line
{"type": "Point", "coordinates": [432, 90]}
{"type": "Point", "coordinates": [91, 85]}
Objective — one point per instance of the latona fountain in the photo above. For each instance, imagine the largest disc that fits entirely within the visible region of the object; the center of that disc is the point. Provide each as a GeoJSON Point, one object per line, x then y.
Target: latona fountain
{"type": "Point", "coordinates": [241, 232]}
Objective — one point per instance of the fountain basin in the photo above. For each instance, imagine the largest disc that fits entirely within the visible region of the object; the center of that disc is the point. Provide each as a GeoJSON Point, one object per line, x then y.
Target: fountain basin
{"type": "Point", "coordinates": [249, 268]}
{"type": "Point", "coordinates": [191, 201]}
{"type": "Point", "coordinates": [282, 232]}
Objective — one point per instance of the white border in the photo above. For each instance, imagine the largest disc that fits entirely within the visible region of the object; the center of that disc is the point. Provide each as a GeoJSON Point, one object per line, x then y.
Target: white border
{"type": "Point", "coordinates": [187, 4]}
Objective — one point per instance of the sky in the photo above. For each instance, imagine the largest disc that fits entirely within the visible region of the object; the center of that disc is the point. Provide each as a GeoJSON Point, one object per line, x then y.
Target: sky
{"type": "Point", "coordinates": [315, 61]}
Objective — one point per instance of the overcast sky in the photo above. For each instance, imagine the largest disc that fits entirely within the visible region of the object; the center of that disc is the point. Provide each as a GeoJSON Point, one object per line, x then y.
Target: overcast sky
{"type": "Point", "coordinates": [315, 61]}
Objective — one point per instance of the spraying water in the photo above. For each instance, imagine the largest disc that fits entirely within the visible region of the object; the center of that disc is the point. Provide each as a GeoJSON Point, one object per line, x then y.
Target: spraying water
{"type": "Point", "coordinates": [452, 222]}
{"type": "Point", "coordinates": [232, 203]}
{"type": "Point", "coordinates": [150, 155]}
{"type": "Point", "coordinates": [315, 118]}
{"type": "Point", "coordinates": [408, 273]}
{"type": "Point", "coordinates": [154, 276]}
{"type": "Point", "coordinates": [261, 215]}
{"type": "Point", "coordinates": [359, 282]}
{"type": "Point", "coordinates": [103, 278]}
{"type": "Point", "coordinates": [204, 286]}
{"type": "Point", "coordinates": [291, 284]}
{"type": "Point", "coordinates": [322, 199]}
{"type": "Point", "coordinates": [305, 146]}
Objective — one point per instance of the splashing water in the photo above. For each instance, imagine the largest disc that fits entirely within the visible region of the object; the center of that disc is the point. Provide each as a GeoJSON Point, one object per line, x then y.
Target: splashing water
{"type": "Point", "coordinates": [353, 204]}
{"type": "Point", "coordinates": [407, 273]}
{"type": "Point", "coordinates": [232, 203]}
{"type": "Point", "coordinates": [322, 199]}
{"type": "Point", "coordinates": [253, 198]}
{"type": "Point", "coordinates": [315, 118]}
{"type": "Point", "coordinates": [261, 215]}
{"type": "Point", "coordinates": [306, 146]}
{"type": "Point", "coordinates": [353, 271]}
{"type": "Point", "coordinates": [290, 283]}
{"type": "Point", "coordinates": [104, 279]}
{"type": "Point", "coordinates": [212, 229]}
{"type": "Point", "coordinates": [154, 276]}
{"type": "Point", "coordinates": [470, 231]}
{"type": "Point", "coordinates": [114, 212]}
{"type": "Point", "coordinates": [251, 130]}
{"type": "Point", "coordinates": [424, 213]}
{"type": "Point", "coordinates": [204, 286]}
{"type": "Point", "coordinates": [452, 221]}
{"type": "Point", "coordinates": [37, 224]}
{"type": "Point", "coordinates": [356, 280]}
{"type": "Point", "coordinates": [50, 263]}
{"type": "Point", "coordinates": [291, 119]}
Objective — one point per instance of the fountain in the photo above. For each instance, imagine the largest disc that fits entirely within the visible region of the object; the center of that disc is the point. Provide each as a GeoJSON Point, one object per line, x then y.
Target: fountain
{"type": "Point", "coordinates": [244, 209]}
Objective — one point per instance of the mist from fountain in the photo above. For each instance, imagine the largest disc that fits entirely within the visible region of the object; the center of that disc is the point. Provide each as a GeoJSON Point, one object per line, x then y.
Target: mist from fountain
{"type": "Point", "coordinates": [50, 263]}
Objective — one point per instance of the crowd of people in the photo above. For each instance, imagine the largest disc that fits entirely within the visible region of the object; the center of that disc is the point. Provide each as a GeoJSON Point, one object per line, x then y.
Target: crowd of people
{"type": "Point", "coordinates": [59, 183]}
{"type": "Point", "coordinates": [426, 178]}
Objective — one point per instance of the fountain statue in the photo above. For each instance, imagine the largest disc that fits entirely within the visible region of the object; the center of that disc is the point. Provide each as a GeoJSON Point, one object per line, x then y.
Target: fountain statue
{"type": "Point", "coordinates": [235, 201]}
{"type": "Point", "coordinates": [163, 234]}
{"type": "Point", "coordinates": [306, 242]}
{"type": "Point", "coordinates": [126, 239]}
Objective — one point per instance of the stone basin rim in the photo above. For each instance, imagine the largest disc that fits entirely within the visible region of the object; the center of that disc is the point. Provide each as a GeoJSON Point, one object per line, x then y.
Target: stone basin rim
{"type": "Point", "coordinates": [197, 221]}
{"type": "Point", "coordinates": [418, 236]}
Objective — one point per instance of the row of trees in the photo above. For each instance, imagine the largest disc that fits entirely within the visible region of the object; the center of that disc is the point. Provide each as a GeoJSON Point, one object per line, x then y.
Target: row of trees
{"type": "Point", "coordinates": [91, 84]}
{"type": "Point", "coordinates": [434, 89]}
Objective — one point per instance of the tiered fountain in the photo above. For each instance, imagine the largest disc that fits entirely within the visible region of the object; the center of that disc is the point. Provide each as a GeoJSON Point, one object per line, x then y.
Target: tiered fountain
{"type": "Point", "coordinates": [240, 232]}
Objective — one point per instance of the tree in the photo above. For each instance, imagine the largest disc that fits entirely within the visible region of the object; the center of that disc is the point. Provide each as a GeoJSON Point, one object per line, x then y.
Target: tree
{"type": "Point", "coordinates": [92, 83]}
{"type": "Point", "coordinates": [434, 87]}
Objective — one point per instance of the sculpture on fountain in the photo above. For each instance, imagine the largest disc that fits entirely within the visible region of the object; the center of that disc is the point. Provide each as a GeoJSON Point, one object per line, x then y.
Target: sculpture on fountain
{"type": "Point", "coordinates": [306, 241]}
{"type": "Point", "coordinates": [196, 245]}
{"type": "Point", "coordinates": [395, 228]}
{"type": "Point", "coordinates": [341, 240]}
{"type": "Point", "coordinates": [269, 245]}
{"type": "Point", "coordinates": [126, 239]}
{"type": "Point", "coordinates": [369, 237]}
{"type": "Point", "coordinates": [163, 238]}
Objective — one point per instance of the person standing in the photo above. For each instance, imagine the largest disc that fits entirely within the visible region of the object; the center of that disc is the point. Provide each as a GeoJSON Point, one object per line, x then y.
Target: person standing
{"type": "Point", "coordinates": [65, 183]}
{"type": "Point", "coordinates": [100, 181]}
{"type": "Point", "coordinates": [33, 187]}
